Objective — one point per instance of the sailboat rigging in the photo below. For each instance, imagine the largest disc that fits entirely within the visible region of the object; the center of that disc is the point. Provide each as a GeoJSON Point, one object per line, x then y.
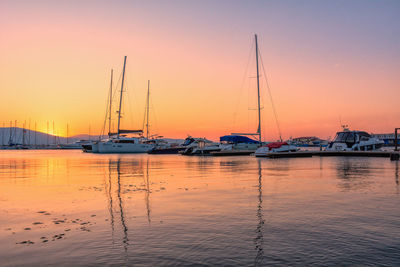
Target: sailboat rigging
{"type": "Point", "coordinates": [258, 133]}
{"type": "Point", "coordinates": [118, 142]}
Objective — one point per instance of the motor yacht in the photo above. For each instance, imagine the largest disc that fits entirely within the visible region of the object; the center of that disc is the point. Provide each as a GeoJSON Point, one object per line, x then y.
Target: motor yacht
{"type": "Point", "coordinates": [199, 146]}
{"type": "Point", "coordinates": [348, 140]}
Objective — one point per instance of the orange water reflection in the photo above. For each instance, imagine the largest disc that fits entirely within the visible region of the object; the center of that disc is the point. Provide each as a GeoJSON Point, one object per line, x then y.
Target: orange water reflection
{"type": "Point", "coordinates": [124, 208]}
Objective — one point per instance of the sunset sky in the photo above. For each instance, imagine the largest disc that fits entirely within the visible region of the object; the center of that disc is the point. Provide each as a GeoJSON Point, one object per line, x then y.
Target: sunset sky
{"type": "Point", "coordinates": [326, 62]}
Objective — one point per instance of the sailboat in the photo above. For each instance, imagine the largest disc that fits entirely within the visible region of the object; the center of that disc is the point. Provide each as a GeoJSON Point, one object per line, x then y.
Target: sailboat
{"type": "Point", "coordinates": [241, 143]}
{"type": "Point", "coordinates": [119, 142]}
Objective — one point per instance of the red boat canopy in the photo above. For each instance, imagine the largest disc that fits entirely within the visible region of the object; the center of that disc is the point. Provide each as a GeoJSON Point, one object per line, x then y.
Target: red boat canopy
{"type": "Point", "coordinates": [276, 144]}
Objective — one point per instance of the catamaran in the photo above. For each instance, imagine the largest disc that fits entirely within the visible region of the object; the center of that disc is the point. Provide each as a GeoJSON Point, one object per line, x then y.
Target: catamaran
{"type": "Point", "coordinates": [119, 142]}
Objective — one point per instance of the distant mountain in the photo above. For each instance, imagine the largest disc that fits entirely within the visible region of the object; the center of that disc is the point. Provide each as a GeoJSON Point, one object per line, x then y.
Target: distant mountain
{"type": "Point", "coordinates": [30, 137]}
{"type": "Point", "coordinates": [18, 135]}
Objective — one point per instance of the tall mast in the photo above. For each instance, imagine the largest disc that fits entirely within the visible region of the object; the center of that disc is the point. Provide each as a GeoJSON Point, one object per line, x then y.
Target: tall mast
{"type": "Point", "coordinates": [120, 98]}
{"type": "Point", "coordinates": [47, 139]}
{"type": "Point", "coordinates": [10, 140]}
{"type": "Point", "coordinates": [29, 132]}
{"type": "Point", "coordinates": [35, 135]}
{"type": "Point", "coordinates": [148, 102]}
{"type": "Point", "coordinates": [3, 132]}
{"type": "Point", "coordinates": [109, 111]}
{"type": "Point", "coordinates": [67, 134]}
{"type": "Point", "coordinates": [54, 133]}
{"type": "Point", "coordinates": [23, 133]}
{"type": "Point", "coordinates": [15, 132]}
{"type": "Point", "coordinates": [258, 92]}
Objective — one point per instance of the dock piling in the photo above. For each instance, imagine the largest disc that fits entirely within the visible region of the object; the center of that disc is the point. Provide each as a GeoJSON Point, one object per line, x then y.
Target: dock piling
{"type": "Point", "coordinates": [394, 156]}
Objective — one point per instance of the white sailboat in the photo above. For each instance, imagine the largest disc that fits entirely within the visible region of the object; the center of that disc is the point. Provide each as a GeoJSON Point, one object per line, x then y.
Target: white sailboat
{"type": "Point", "coordinates": [118, 142]}
{"type": "Point", "coordinates": [243, 143]}
{"type": "Point", "coordinates": [273, 147]}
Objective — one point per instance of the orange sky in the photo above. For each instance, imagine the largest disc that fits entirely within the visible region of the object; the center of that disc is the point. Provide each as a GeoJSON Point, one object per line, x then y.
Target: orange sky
{"type": "Point", "coordinates": [324, 62]}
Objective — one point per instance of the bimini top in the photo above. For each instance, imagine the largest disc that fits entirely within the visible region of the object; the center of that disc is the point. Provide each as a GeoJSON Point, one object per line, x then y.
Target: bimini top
{"type": "Point", "coordinates": [237, 139]}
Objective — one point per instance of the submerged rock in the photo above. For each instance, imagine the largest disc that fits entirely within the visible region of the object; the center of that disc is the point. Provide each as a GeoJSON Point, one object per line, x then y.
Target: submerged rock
{"type": "Point", "coordinates": [28, 242]}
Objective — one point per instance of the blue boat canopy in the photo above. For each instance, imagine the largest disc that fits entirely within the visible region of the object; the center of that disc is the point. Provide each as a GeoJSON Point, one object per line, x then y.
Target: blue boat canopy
{"type": "Point", "coordinates": [237, 139]}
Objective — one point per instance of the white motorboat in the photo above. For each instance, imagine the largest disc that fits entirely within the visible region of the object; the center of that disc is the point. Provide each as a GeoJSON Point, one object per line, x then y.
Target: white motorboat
{"type": "Point", "coordinates": [199, 146]}
{"type": "Point", "coordinates": [348, 140]}
{"type": "Point", "coordinates": [275, 147]}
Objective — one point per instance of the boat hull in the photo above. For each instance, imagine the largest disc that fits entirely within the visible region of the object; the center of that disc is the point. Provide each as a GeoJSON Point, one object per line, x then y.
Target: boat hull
{"type": "Point", "coordinates": [174, 150]}
{"type": "Point", "coordinates": [266, 151]}
{"type": "Point", "coordinates": [110, 147]}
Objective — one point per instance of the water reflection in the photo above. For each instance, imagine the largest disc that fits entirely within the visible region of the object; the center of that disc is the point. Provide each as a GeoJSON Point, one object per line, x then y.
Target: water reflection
{"type": "Point", "coordinates": [353, 174]}
{"type": "Point", "coordinates": [260, 259]}
{"type": "Point", "coordinates": [129, 169]}
{"type": "Point", "coordinates": [121, 210]}
{"type": "Point", "coordinates": [147, 192]}
{"type": "Point", "coordinates": [110, 199]}
{"type": "Point", "coordinates": [396, 175]}
{"type": "Point", "coordinates": [114, 169]}
{"type": "Point", "coordinates": [202, 211]}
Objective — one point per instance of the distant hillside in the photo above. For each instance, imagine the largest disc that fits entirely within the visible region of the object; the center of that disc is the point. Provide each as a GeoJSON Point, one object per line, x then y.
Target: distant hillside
{"type": "Point", "coordinates": [36, 138]}
{"type": "Point", "coordinates": [30, 138]}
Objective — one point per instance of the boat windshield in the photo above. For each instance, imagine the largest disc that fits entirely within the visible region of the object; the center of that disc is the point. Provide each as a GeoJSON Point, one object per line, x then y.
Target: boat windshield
{"type": "Point", "coordinates": [188, 141]}
{"type": "Point", "coordinates": [345, 137]}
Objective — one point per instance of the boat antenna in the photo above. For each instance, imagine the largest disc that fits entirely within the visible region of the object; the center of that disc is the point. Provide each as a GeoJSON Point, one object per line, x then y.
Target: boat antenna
{"type": "Point", "coordinates": [344, 126]}
{"type": "Point", "coordinates": [258, 92]}
{"type": "Point", "coordinates": [120, 99]}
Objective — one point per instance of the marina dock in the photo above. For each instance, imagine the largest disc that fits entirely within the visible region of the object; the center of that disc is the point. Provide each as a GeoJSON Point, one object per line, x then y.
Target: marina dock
{"type": "Point", "coordinates": [387, 154]}
{"type": "Point", "coordinates": [232, 153]}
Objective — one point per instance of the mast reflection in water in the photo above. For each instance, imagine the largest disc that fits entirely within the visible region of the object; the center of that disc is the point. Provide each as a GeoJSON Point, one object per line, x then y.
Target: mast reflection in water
{"type": "Point", "coordinates": [260, 259]}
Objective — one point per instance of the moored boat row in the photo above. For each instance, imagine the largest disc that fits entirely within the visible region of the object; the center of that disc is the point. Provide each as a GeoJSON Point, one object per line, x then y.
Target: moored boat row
{"type": "Point", "coordinates": [234, 144]}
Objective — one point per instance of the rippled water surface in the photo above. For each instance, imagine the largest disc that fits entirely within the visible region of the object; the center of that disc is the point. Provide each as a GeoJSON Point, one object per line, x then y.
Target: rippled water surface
{"type": "Point", "coordinates": [71, 208]}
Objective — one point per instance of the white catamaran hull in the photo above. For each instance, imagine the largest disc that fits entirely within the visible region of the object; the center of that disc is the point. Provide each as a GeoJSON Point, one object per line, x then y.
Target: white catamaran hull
{"type": "Point", "coordinates": [95, 147]}
{"type": "Point", "coordinates": [110, 147]}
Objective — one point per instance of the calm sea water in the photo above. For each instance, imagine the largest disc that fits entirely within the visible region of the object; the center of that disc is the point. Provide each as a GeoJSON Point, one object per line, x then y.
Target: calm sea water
{"type": "Point", "coordinates": [75, 209]}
